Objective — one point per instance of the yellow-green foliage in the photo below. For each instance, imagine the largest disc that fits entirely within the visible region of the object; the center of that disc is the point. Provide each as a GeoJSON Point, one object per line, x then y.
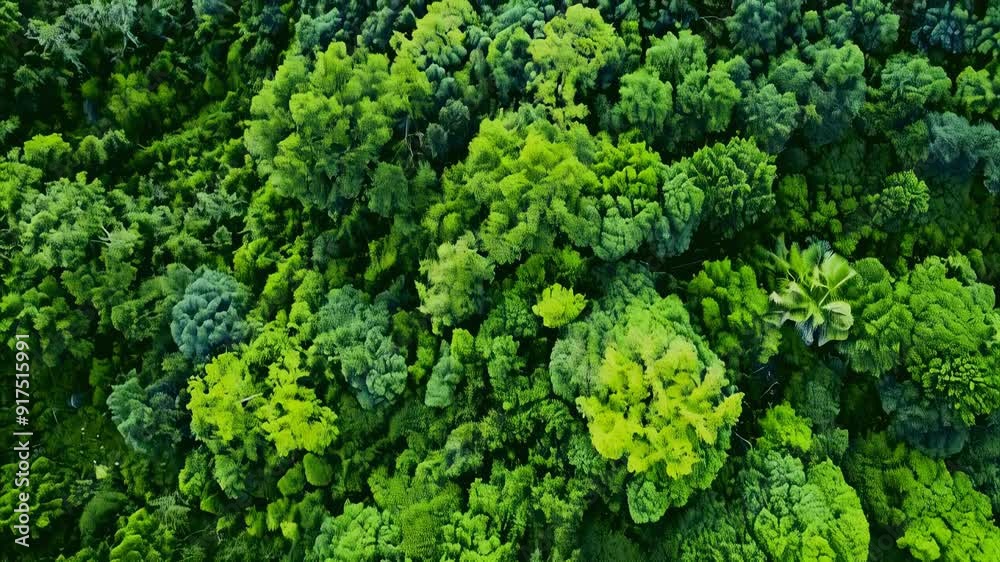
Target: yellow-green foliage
{"type": "Point", "coordinates": [659, 403]}
{"type": "Point", "coordinates": [559, 306]}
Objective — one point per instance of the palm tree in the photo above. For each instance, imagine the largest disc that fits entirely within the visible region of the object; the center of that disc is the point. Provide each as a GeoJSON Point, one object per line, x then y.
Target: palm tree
{"type": "Point", "coordinates": [808, 294]}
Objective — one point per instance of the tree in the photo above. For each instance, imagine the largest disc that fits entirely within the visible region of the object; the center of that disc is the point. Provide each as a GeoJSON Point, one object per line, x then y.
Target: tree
{"type": "Point", "coordinates": [703, 99]}
{"type": "Point", "coordinates": [959, 149]}
{"type": "Point", "coordinates": [210, 315]}
{"type": "Point", "coordinates": [528, 188]}
{"type": "Point", "coordinates": [646, 103]}
{"type": "Point", "coordinates": [979, 460]}
{"type": "Point", "coordinates": [869, 23]}
{"type": "Point", "coordinates": [711, 528]}
{"type": "Point", "coordinates": [133, 99]}
{"type": "Point", "coordinates": [782, 429]}
{"type": "Point", "coordinates": [448, 46]}
{"type": "Point", "coordinates": [736, 179]}
{"type": "Point", "coordinates": [883, 326]}
{"type": "Point", "coordinates": [947, 27]}
{"type": "Point", "coordinates": [756, 27]}
{"type": "Point", "coordinates": [641, 201]}
{"type": "Point", "coordinates": [803, 513]}
{"type": "Point", "coordinates": [455, 283]}
{"type": "Point", "coordinates": [955, 324]}
{"type": "Point", "coordinates": [469, 538]}
{"type": "Point", "coordinates": [58, 223]}
{"type": "Point", "coordinates": [141, 537]}
{"type": "Point", "coordinates": [147, 419]}
{"type": "Point", "coordinates": [451, 368]}
{"type": "Point", "coordinates": [903, 201]}
{"type": "Point", "coordinates": [809, 294]}
{"type": "Point", "coordinates": [731, 308]}
{"type": "Point", "coordinates": [909, 83]}
{"type": "Point", "coordinates": [571, 59]}
{"type": "Point", "coordinates": [828, 83]}
{"type": "Point", "coordinates": [384, 19]}
{"type": "Point", "coordinates": [770, 117]}
{"type": "Point", "coordinates": [974, 92]}
{"type": "Point", "coordinates": [58, 39]}
{"type": "Point", "coordinates": [683, 204]}
{"type": "Point", "coordinates": [502, 509]}
{"type": "Point", "coordinates": [419, 502]}
{"type": "Point", "coordinates": [781, 508]}
{"type": "Point", "coordinates": [353, 334]}
{"type": "Point", "coordinates": [988, 41]}
{"type": "Point", "coordinates": [676, 54]}
{"type": "Point", "coordinates": [100, 513]}
{"type": "Point", "coordinates": [934, 514]}
{"type": "Point", "coordinates": [360, 533]}
{"type": "Point", "coordinates": [508, 58]}
{"type": "Point", "coordinates": [936, 325]}
{"type": "Point", "coordinates": [251, 411]}
{"type": "Point", "coordinates": [223, 420]}
{"type": "Point", "coordinates": [925, 423]}
{"type": "Point", "coordinates": [318, 131]}
{"type": "Point", "coordinates": [292, 418]}
{"type": "Point", "coordinates": [657, 400]}
{"type": "Point", "coordinates": [440, 44]}
{"type": "Point", "coordinates": [559, 306]}
{"type": "Point", "coordinates": [524, 185]}
{"type": "Point", "coordinates": [47, 503]}
{"type": "Point", "coordinates": [47, 152]}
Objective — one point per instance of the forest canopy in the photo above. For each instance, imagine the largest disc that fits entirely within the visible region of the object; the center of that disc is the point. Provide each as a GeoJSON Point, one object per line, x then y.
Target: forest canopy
{"type": "Point", "coordinates": [514, 280]}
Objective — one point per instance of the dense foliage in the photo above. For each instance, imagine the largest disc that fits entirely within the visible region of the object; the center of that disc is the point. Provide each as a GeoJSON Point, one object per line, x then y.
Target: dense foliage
{"type": "Point", "coordinates": [515, 280]}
